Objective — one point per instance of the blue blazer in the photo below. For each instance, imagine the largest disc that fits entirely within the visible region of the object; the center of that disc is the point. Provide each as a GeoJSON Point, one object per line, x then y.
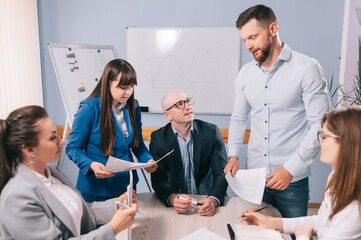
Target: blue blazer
{"type": "Point", "coordinates": [84, 148]}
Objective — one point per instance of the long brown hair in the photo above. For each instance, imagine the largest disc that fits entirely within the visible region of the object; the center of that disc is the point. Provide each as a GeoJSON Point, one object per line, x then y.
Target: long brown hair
{"type": "Point", "coordinates": [102, 89]}
{"type": "Point", "coordinates": [345, 183]}
{"type": "Point", "coordinates": [18, 130]}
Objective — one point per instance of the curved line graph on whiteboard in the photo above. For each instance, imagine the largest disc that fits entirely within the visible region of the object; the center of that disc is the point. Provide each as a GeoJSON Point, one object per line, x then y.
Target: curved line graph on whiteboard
{"type": "Point", "coordinates": [173, 60]}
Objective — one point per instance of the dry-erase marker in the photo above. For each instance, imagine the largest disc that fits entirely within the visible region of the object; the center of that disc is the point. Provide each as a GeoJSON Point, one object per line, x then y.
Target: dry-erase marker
{"type": "Point", "coordinates": [194, 202]}
{"type": "Point", "coordinates": [260, 209]}
{"type": "Point", "coordinates": [126, 206]}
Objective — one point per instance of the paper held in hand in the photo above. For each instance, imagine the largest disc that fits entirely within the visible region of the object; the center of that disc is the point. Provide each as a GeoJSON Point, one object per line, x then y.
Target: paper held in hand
{"type": "Point", "coordinates": [119, 165]}
{"type": "Point", "coordinates": [248, 184]}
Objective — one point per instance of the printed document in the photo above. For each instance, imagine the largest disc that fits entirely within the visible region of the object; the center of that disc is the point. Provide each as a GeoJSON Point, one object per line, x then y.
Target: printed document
{"type": "Point", "coordinates": [202, 234]}
{"type": "Point", "coordinates": [248, 184]}
{"type": "Point", "coordinates": [119, 165]}
{"type": "Point", "coordinates": [254, 232]}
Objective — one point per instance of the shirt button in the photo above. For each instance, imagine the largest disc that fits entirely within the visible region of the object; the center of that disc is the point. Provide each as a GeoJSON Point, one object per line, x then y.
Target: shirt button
{"type": "Point", "coordinates": [265, 155]}
{"type": "Point", "coordinates": [265, 121]}
{"type": "Point", "coordinates": [265, 104]}
{"type": "Point", "coordinates": [266, 86]}
{"type": "Point", "coordinates": [265, 138]}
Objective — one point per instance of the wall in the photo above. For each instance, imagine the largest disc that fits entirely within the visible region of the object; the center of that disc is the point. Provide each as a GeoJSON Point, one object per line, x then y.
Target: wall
{"type": "Point", "coordinates": [311, 27]}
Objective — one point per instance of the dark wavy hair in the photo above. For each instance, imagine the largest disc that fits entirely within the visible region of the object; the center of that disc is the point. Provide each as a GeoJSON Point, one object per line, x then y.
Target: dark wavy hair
{"type": "Point", "coordinates": [19, 129]}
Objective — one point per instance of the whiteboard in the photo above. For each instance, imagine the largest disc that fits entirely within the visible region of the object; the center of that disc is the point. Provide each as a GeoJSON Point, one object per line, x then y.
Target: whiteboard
{"type": "Point", "coordinates": [78, 68]}
{"type": "Point", "coordinates": [201, 61]}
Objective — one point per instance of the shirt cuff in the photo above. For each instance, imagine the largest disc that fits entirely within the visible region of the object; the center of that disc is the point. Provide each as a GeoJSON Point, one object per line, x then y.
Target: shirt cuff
{"type": "Point", "coordinates": [295, 165]}
{"type": "Point", "coordinates": [219, 203]}
{"type": "Point", "coordinates": [302, 238]}
{"type": "Point", "coordinates": [168, 200]}
{"type": "Point", "coordinates": [234, 151]}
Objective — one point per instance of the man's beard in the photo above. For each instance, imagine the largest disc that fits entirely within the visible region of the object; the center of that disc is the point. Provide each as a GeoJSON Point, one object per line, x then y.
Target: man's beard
{"type": "Point", "coordinates": [264, 54]}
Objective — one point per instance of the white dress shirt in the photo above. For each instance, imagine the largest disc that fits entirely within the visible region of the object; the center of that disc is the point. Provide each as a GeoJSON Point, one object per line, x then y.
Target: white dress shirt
{"type": "Point", "coordinates": [70, 200]}
{"type": "Point", "coordinates": [345, 225]}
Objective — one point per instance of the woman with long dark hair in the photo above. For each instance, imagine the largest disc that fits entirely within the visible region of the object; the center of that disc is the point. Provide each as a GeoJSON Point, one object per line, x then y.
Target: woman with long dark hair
{"type": "Point", "coordinates": [108, 123]}
{"type": "Point", "coordinates": [339, 217]}
{"type": "Point", "coordinates": [37, 201]}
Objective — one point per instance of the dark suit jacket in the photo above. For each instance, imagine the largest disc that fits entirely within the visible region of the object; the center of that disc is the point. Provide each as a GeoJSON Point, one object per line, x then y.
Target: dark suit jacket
{"type": "Point", "coordinates": [209, 159]}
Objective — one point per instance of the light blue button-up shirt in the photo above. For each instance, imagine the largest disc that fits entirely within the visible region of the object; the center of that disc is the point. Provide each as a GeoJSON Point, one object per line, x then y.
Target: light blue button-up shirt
{"type": "Point", "coordinates": [285, 107]}
{"type": "Point", "coordinates": [186, 149]}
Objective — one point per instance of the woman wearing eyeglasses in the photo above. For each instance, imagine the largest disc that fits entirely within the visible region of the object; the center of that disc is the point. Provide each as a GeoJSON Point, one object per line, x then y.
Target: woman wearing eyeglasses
{"type": "Point", "coordinates": [108, 123]}
{"type": "Point", "coordinates": [339, 216]}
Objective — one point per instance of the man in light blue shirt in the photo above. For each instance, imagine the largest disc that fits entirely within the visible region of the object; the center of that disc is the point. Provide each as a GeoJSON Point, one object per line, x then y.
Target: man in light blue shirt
{"type": "Point", "coordinates": [284, 94]}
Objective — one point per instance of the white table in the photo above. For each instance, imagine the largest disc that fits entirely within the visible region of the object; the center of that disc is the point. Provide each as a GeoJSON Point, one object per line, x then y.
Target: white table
{"type": "Point", "coordinates": [160, 222]}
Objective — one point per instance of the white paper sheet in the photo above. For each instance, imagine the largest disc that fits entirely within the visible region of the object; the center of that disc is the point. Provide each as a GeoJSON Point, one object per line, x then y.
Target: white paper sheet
{"type": "Point", "coordinates": [254, 232]}
{"type": "Point", "coordinates": [248, 184]}
{"type": "Point", "coordinates": [119, 165]}
{"type": "Point", "coordinates": [202, 234]}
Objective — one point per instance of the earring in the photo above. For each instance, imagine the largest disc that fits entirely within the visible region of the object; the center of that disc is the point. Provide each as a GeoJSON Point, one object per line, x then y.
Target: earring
{"type": "Point", "coordinates": [32, 159]}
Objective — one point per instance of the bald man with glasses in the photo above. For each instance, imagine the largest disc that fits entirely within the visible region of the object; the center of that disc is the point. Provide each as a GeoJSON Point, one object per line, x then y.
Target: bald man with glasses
{"type": "Point", "coordinates": [197, 163]}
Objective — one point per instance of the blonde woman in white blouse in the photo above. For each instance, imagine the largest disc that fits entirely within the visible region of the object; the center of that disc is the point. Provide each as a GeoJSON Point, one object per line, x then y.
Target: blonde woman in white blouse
{"type": "Point", "coordinates": [339, 215]}
{"type": "Point", "coordinates": [37, 201]}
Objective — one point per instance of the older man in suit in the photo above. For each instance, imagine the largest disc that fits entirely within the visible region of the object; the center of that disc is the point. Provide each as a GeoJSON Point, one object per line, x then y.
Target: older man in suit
{"type": "Point", "coordinates": [196, 165]}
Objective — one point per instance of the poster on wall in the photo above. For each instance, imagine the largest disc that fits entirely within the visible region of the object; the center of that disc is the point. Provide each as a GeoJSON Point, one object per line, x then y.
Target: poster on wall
{"type": "Point", "coordinates": [350, 51]}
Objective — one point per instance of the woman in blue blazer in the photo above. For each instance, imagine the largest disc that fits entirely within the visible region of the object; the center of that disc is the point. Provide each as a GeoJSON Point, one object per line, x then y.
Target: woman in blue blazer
{"type": "Point", "coordinates": [108, 123]}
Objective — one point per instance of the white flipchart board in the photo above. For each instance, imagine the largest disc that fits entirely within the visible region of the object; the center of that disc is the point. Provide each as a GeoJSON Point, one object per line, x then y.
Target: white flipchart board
{"type": "Point", "coordinates": [201, 61]}
{"type": "Point", "coordinates": [78, 69]}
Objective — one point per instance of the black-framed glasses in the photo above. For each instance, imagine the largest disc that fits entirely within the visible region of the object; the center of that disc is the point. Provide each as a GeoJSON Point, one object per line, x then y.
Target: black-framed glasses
{"type": "Point", "coordinates": [182, 104]}
{"type": "Point", "coordinates": [321, 135]}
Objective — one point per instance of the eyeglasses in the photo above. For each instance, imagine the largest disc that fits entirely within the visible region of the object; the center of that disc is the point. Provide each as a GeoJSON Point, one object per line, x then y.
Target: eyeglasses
{"type": "Point", "coordinates": [321, 135]}
{"type": "Point", "coordinates": [182, 104]}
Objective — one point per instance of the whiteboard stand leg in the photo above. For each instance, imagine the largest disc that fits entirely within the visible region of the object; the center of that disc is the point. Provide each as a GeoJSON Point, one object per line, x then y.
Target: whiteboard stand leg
{"type": "Point", "coordinates": [65, 133]}
{"type": "Point", "coordinates": [130, 200]}
{"type": "Point", "coordinates": [146, 180]}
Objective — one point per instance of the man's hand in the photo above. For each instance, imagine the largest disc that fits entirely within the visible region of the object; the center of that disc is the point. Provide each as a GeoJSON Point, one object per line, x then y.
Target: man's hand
{"type": "Point", "coordinates": [180, 205]}
{"type": "Point", "coordinates": [99, 170]}
{"type": "Point", "coordinates": [209, 207]}
{"type": "Point", "coordinates": [232, 165]}
{"type": "Point", "coordinates": [281, 178]}
{"type": "Point", "coordinates": [152, 168]}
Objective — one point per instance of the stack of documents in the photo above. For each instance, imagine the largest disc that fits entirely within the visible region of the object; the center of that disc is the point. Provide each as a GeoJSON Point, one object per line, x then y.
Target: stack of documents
{"type": "Point", "coordinates": [254, 232]}
{"type": "Point", "coordinates": [248, 184]}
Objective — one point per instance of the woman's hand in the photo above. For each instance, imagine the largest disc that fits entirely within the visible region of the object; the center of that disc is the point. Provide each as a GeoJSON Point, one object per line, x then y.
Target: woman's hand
{"type": "Point", "coordinates": [124, 198]}
{"type": "Point", "coordinates": [99, 170]}
{"type": "Point", "coordinates": [304, 230]}
{"type": "Point", "coordinates": [250, 216]}
{"type": "Point", "coordinates": [152, 168]}
{"type": "Point", "coordinates": [123, 218]}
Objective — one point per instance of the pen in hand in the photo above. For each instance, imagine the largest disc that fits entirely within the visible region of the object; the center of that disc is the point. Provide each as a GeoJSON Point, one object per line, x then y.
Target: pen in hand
{"type": "Point", "coordinates": [126, 206]}
{"type": "Point", "coordinates": [194, 202]}
{"type": "Point", "coordinates": [260, 209]}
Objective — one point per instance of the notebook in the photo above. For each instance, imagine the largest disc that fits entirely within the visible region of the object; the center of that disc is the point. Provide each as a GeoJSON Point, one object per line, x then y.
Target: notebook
{"type": "Point", "coordinates": [254, 232]}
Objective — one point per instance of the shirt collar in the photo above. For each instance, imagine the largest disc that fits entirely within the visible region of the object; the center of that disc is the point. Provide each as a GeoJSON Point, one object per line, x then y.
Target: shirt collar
{"type": "Point", "coordinates": [177, 133]}
{"type": "Point", "coordinates": [119, 108]}
{"type": "Point", "coordinates": [46, 180]}
{"type": "Point", "coordinates": [285, 55]}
